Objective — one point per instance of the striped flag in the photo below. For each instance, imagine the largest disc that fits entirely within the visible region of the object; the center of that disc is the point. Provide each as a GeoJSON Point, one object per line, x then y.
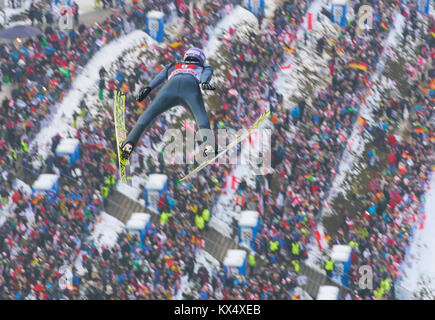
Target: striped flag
{"type": "Point", "coordinates": [362, 121]}
{"type": "Point", "coordinates": [419, 129]}
{"type": "Point", "coordinates": [310, 21]}
{"type": "Point", "coordinates": [358, 65]}
{"type": "Point", "coordinates": [309, 177]}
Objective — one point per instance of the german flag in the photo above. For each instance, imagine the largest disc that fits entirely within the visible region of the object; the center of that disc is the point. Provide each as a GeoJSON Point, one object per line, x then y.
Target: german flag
{"type": "Point", "coordinates": [384, 25]}
{"type": "Point", "coordinates": [406, 155]}
{"type": "Point", "coordinates": [358, 65]}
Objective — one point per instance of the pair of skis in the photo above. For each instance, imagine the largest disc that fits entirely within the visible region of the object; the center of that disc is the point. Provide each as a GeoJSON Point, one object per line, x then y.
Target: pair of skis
{"type": "Point", "coordinates": [121, 135]}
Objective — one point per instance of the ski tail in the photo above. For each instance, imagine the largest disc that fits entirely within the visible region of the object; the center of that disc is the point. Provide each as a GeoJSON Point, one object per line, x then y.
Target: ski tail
{"type": "Point", "coordinates": [243, 136]}
{"type": "Point", "coordinates": [121, 135]}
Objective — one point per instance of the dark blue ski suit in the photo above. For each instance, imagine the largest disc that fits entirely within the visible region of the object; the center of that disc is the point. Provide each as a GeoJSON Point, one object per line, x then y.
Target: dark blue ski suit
{"type": "Point", "coordinates": [182, 89]}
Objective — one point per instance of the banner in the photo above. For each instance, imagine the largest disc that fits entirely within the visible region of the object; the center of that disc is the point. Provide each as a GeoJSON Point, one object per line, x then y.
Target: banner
{"type": "Point", "coordinates": [155, 25]}
{"type": "Point", "coordinates": [423, 6]}
{"type": "Point", "coordinates": [338, 12]}
{"type": "Point", "coordinates": [256, 6]}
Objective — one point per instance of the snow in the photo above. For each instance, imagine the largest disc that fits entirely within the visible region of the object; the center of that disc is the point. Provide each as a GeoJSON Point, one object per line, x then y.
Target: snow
{"type": "Point", "coordinates": [156, 181]}
{"type": "Point", "coordinates": [248, 218]}
{"type": "Point", "coordinates": [106, 231]}
{"type": "Point", "coordinates": [23, 186]}
{"type": "Point", "coordinates": [235, 258]}
{"type": "Point", "coordinates": [138, 222]}
{"type": "Point", "coordinates": [139, 216]}
{"type": "Point", "coordinates": [45, 181]}
{"type": "Point", "coordinates": [84, 81]}
{"type": "Point", "coordinates": [238, 15]}
{"type": "Point", "coordinates": [155, 15]}
{"type": "Point", "coordinates": [67, 146]}
{"type": "Point", "coordinates": [341, 253]}
{"type": "Point", "coordinates": [202, 257]}
{"type": "Point", "coordinates": [327, 293]}
{"type": "Point", "coordinates": [419, 264]}
{"type": "Point", "coordinates": [128, 191]}
{"type": "Point", "coordinates": [10, 12]}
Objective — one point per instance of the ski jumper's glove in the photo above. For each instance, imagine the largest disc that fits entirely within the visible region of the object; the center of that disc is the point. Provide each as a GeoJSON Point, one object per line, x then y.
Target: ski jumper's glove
{"type": "Point", "coordinates": [207, 86]}
{"type": "Point", "coordinates": [143, 94]}
{"type": "Point", "coordinates": [126, 148]}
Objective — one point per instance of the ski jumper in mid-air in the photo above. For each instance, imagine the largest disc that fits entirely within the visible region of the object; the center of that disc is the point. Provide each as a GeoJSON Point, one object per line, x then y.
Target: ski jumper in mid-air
{"type": "Point", "coordinates": [182, 88]}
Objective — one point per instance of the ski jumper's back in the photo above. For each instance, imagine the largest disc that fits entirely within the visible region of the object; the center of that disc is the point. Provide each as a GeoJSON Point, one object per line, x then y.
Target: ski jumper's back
{"type": "Point", "coordinates": [181, 88]}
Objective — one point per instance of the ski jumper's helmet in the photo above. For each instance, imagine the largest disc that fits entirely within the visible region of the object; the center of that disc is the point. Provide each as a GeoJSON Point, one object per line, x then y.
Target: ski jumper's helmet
{"type": "Point", "coordinates": [195, 54]}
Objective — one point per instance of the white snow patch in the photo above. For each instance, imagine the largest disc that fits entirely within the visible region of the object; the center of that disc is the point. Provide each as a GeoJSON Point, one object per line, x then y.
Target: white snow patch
{"type": "Point", "coordinates": [19, 184]}
{"type": "Point", "coordinates": [206, 259]}
{"type": "Point", "coordinates": [128, 191]}
{"type": "Point", "coordinates": [106, 231]}
{"type": "Point", "coordinates": [419, 263]}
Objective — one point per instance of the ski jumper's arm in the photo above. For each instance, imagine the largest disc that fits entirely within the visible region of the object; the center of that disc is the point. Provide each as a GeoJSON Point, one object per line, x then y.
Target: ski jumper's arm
{"type": "Point", "coordinates": [206, 74]}
{"type": "Point", "coordinates": [161, 77]}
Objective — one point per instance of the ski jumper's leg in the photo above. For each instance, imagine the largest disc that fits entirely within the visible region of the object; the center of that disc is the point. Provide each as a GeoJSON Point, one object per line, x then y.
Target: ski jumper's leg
{"type": "Point", "coordinates": [191, 96]}
{"type": "Point", "coordinates": [164, 100]}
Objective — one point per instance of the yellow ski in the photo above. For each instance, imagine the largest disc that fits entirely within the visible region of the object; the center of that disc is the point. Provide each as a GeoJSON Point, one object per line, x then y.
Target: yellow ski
{"type": "Point", "coordinates": [121, 134]}
{"type": "Point", "coordinates": [257, 123]}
